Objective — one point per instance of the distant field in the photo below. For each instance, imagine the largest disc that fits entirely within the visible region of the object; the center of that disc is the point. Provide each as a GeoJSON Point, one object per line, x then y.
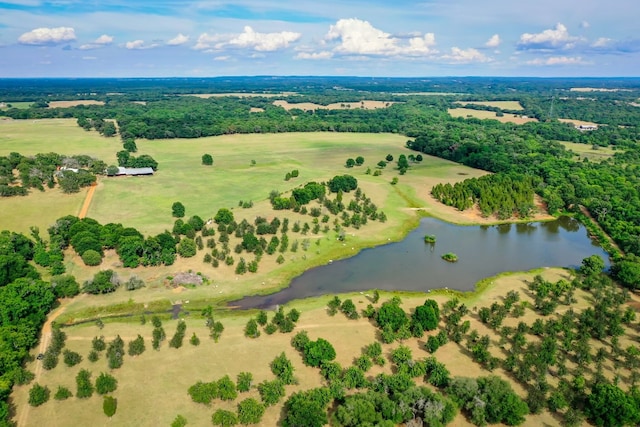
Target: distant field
{"type": "Point", "coordinates": [597, 89]}
{"type": "Point", "coordinates": [67, 104]}
{"type": "Point", "coordinates": [18, 105]}
{"type": "Point", "coordinates": [586, 150]}
{"type": "Point", "coordinates": [241, 95]}
{"type": "Point", "coordinates": [426, 93]}
{"type": "Point", "coordinates": [578, 122]}
{"type": "Point", "coordinates": [480, 114]}
{"type": "Point", "coordinates": [309, 106]}
{"type": "Point", "coordinates": [63, 136]}
{"type": "Point", "coordinates": [505, 105]}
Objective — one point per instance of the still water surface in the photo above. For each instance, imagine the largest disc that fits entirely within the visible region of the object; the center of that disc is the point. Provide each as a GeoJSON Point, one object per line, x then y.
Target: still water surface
{"type": "Point", "coordinates": [412, 265]}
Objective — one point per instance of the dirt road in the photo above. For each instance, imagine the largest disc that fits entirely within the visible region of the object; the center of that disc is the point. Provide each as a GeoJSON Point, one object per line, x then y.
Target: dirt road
{"type": "Point", "coordinates": [87, 201]}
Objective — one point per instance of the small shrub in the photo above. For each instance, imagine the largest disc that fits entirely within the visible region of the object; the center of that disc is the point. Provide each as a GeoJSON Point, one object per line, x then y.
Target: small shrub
{"type": "Point", "coordinates": [136, 347]}
{"type": "Point", "coordinates": [91, 257]}
{"type": "Point", "coordinates": [38, 395]}
{"type": "Point", "coordinates": [251, 329]}
{"type": "Point", "coordinates": [106, 383]}
{"type": "Point", "coordinates": [93, 356]}
{"type": "Point", "coordinates": [271, 392]}
{"type": "Point", "coordinates": [98, 344]}
{"type": "Point", "coordinates": [250, 411]}
{"type": "Point", "coordinates": [194, 340]}
{"type": "Point", "coordinates": [109, 406]}
{"type": "Point", "coordinates": [62, 393]}
{"type": "Point", "coordinates": [226, 388]}
{"type": "Point", "coordinates": [71, 358]}
{"type": "Point", "coordinates": [224, 418]}
{"type": "Point", "coordinates": [244, 381]}
{"type": "Point", "coordinates": [179, 421]}
{"type": "Point", "coordinates": [84, 386]}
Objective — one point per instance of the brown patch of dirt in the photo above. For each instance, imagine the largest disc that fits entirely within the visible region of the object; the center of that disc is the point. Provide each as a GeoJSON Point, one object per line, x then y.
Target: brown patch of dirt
{"type": "Point", "coordinates": [67, 104]}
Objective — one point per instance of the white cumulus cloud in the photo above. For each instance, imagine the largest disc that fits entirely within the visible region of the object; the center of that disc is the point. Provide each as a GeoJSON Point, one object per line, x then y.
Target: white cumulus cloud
{"type": "Point", "coordinates": [139, 45]}
{"type": "Point", "coordinates": [551, 39]}
{"type": "Point", "coordinates": [48, 36]}
{"type": "Point", "coordinates": [464, 56]}
{"type": "Point", "coordinates": [602, 42]}
{"type": "Point", "coordinates": [315, 55]}
{"type": "Point", "coordinates": [178, 40]}
{"type": "Point", "coordinates": [494, 41]}
{"type": "Point", "coordinates": [358, 37]}
{"type": "Point", "coordinates": [102, 41]}
{"type": "Point", "coordinates": [248, 39]}
{"type": "Point", "coordinates": [558, 60]}
{"type": "Point", "coordinates": [136, 44]}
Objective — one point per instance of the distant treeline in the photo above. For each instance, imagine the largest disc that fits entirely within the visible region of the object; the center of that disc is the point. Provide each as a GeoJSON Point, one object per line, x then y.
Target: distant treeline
{"type": "Point", "coordinates": [66, 89]}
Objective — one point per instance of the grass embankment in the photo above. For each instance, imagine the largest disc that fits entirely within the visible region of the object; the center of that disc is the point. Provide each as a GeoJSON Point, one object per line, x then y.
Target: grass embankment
{"type": "Point", "coordinates": [160, 379]}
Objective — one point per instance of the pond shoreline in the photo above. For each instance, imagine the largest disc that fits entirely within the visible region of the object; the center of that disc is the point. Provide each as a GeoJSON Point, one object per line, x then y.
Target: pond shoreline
{"type": "Point", "coordinates": [484, 252]}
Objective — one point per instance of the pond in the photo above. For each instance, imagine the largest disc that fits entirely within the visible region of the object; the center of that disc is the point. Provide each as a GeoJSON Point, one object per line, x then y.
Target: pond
{"type": "Point", "coordinates": [413, 265]}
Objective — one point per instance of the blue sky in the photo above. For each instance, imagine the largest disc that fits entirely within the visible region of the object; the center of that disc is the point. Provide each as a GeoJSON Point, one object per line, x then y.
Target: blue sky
{"type": "Point", "coordinates": [136, 38]}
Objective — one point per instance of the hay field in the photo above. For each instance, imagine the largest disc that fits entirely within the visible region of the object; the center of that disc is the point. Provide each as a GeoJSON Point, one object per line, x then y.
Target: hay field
{"type": "Point", "coordinates": [152, 387]}
{"type": "Point", "coordinates": [505, 105]}
{"type": "Point", "coordinates": [310, 106]}
{"type": "Point", "coordinates": [75, 103]}
{"type": "Point", "coordinates": [480, 114]}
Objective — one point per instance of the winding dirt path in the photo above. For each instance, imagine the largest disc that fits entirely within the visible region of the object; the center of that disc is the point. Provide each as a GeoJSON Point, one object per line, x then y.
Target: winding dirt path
{"type": "Point", "coordinates": [45, 337]}
{"type": "Point", "coordinates": [87, 201]}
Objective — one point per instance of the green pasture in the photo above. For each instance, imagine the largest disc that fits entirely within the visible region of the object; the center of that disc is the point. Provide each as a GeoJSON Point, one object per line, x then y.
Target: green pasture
{"type": "Point", "coordinates": [62, 136]}
{"type": "Point", "coordinates": [39, 209]}
{"type": "Point", "coordinates": [145, 202]}
{"type": "Point", "coordinates": [19, 105]}
{"type": "Point", "coordinates": [587, 151]}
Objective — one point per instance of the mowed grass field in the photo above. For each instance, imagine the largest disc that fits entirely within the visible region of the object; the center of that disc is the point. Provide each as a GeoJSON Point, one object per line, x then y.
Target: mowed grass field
{"type": "Point", "coordinates": [481, 114]}
{"type": "Point", "coordinates": [19, 105]}
{"type": "Point", "coordinates": [30, 137]}
{"type": "Point", "coordinates": [145, 202]}
{"type": "Point", "coordinates": [152, 387]}
{"type": "Point", "coordinates": [505, 105]}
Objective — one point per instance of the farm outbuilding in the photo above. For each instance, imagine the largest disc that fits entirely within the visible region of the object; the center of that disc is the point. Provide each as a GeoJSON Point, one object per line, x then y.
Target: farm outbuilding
{"type": "Point", "coordinates": [134, 171]}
